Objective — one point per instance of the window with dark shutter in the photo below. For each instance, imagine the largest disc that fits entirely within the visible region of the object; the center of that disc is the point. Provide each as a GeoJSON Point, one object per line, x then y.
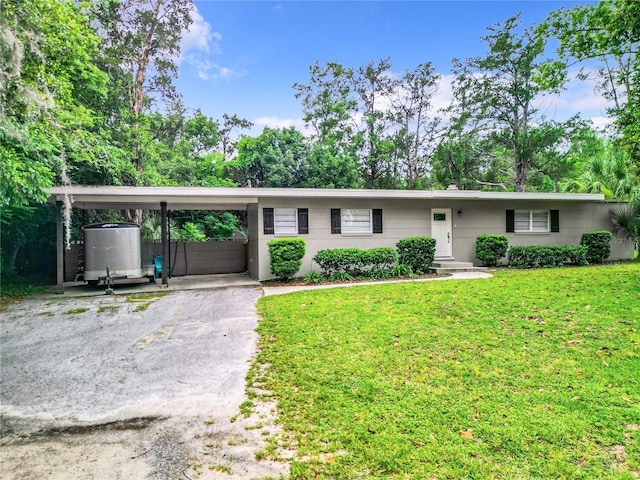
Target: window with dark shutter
{"type": "Point", "coordinates": [555, 220]}
{"type": "Point", "coordinates": [511, 220]}
{"type": "Point", "coordinates": [335, 221]}
{"type": "Point", "coordinates": [376, 214]}
{"type": "Point", "coordinates": [303, 221]}
{"type": "Point", "coordinates": [267, 220]}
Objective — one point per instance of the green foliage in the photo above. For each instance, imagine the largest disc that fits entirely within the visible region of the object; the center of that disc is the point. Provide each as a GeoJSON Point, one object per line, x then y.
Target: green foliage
{"type": "Point", "coordinates": [417, 253]}
{"type": "Point", "coordinates": [604, 37]}
{"type": "Point", "coordinates": [313, 277]}
{"type": "Point", "coordinates": [501, 89]}
{"type": "Point", "coordinates": [626, 221]}
{"type": "Point", "coordinates": [402, 270]}
{"type": "Point", "coordinates": [598, 245]}
{"type": "Point", "coordinates": [221, 224]}
{"type": "Point", "coordinates": [490, 248]}
{"type": "Point", "coordinates": [355, 262]}
{"type": "Point", "coordinates": [546, 256]}
{"type": "Point", "coordinates": [190, 232]}
{"type": "Point", "coordinates": [286, 256]}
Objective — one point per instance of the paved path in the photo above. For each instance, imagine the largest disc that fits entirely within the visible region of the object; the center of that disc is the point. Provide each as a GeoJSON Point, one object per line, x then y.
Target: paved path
{"type": "Point", "coordinates": [129, 387]}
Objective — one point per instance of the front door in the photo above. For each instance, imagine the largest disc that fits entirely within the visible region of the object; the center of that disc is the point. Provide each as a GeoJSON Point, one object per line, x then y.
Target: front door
{"type": "Point", "coordinates": [441, 231]}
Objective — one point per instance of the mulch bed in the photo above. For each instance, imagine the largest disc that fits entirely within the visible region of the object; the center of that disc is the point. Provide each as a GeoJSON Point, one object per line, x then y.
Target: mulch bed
{"type": "Point", "coordinates": [296, 282]}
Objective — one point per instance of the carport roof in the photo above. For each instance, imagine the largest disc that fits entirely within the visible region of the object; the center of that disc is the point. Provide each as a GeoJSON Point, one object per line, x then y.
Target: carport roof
{"type": "Point", "coordinates": [205, 198]}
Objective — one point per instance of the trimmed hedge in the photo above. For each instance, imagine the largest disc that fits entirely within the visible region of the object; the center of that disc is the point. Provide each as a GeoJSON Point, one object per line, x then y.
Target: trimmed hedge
{"type": "Point", "coordinates": [598, 245]}
{"type": "Point", "coordinates": [354, 261]}
{"type": "Point", "coordinates": [490, 248]}
{"type": "Point", "coordinates": [416, 253]}
{"type": "Point", "coordinates": [286, 256]}
{"type": "Point", "coordinates": [545, 256]}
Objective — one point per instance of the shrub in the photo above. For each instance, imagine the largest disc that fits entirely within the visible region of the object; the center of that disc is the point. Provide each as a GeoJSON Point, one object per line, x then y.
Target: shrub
{"type": "Point", "coordinates": [491, 248]}
{"type": "Point", "coordinates": [402, 270]}
{"type": "Point", "coordinates": [286, 256]}
{"type": "Point", "coordinates": [537, 256]}
{"type": "Point", "coordinates": [417, 253]}
{"type": "Point", "coordinates": [313, 277]}
{"type": "Point", "coordinates": [598, 245]}
{"type": "Point", "coordinates": [354, 261]}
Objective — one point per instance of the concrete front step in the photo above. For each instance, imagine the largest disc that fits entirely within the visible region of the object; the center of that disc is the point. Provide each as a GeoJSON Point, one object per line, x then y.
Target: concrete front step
{"type": "Point", "coordinates": [446, 266]}
{"type": "Point", "coordinates": [451, 264]}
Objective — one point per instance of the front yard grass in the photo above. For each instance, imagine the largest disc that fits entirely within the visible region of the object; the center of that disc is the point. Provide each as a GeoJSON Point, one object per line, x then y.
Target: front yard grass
{"type": "Point", "coordinates": [527, 375]}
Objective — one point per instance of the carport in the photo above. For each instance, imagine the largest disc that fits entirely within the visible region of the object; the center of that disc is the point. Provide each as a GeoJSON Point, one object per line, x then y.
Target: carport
{"type": "Point", "coordinates": [164, 199]}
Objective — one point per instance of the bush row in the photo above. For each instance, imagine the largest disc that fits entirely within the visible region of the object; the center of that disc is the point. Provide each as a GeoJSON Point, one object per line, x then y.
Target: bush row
{"type": "Point", "coordinates": [594, 247]}
{"type": "Point", "coordinates": [541, 256]}
{"type": "Point", "coordinates": [414, 255]}
{"type": "Point", "coordinates": [354, 261]}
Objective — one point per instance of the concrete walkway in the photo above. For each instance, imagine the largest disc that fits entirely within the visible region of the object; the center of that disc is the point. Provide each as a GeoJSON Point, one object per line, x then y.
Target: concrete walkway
{"type": "Point", "coordinates": [453, 276]}
{"type": "Point", "coordinates": [189, 282]}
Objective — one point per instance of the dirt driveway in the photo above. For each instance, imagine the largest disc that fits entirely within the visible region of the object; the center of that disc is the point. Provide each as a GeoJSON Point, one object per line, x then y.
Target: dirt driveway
{"type": "Point", "coordinates": [131, 387]}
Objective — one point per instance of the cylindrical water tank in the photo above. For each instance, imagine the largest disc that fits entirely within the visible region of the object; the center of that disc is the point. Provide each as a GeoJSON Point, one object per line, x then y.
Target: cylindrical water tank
{"type": "Point", "coordinates": [114, 247]}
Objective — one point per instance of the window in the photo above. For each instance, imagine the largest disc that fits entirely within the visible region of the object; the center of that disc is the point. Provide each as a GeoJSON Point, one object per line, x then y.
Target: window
{"type": "Point", "coordinates": [285, 221]}
{"type": "Point", "coordinates": [356, 220]}
{"type": "Point", "coordinates": [541, 221]}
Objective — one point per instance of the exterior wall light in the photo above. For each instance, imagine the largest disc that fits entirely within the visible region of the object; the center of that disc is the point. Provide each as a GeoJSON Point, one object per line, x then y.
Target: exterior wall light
{"type": "Point", "coordinates": [460, 213]}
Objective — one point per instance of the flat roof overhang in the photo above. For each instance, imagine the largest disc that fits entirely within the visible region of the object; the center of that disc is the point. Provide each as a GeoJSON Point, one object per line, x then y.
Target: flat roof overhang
{"type": "Point", "coordinates": [205, 198]}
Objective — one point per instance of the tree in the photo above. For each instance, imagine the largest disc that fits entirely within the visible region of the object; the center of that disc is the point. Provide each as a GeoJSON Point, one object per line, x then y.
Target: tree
{"type": "Point", "coordinates": [231, 123]}
{"type": "Point", "coordinates": [607, 33]}
{"type": "Point", "coordinates": [609, 173]}
{"type": "Point", "coordinates": [373, 86]}
{"type": "Point", "coordinates": [46, 79]}
{"type": "Point", "coordinates": [502, 88]}
{"type": "Point", "coordinates": [329, 105]}
{"type": "Point", "coordinates": [141, 43]}
{"type": "Point", "coordinates": [277, 158]}
{"type": "Point", "coordinates": [416, 131]}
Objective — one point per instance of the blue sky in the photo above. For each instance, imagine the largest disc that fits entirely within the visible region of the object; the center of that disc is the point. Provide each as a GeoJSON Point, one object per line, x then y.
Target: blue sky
{"type": "Point", "coordinates": [242, 57]}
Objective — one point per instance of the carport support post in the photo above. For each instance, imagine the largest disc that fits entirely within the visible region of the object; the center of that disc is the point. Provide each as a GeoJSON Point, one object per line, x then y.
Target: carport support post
{"type": "Point", "coordinates": [165, 243]}
{"type": "Point", "coordinates": [59, 249]}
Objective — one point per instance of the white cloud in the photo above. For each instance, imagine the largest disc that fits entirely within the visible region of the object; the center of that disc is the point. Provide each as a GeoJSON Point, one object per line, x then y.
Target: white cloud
{"type": "Point", "coordinates": [200, 37]}
{"type": "Point", "coordinates": [208, 70]}
{"type": "Point", "coordinates": [444, 95]}
{"type": "Point", "coordinates": [198, 44]}
{"type": "Point", "coordinates": [279, 123]}
{"type": "Point", "coordinates": [579, 97]}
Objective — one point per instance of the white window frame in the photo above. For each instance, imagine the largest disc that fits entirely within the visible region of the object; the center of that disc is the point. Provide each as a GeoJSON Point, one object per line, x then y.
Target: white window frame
{"type": "Point", "coordinates": [532, 221]}
{"type": "Point", "coordinates": [282, 224]}
{"type": "Point", "coordinates": [348, 228]}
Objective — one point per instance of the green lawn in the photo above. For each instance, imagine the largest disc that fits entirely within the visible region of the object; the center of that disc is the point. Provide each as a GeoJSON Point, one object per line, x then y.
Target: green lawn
{"type": "Point", "coordinates": [528, 375]}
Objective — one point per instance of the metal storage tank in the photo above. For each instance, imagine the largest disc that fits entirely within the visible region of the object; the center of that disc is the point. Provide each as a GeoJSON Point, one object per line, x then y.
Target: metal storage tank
{"type": "Point", "coordinates": [112, 246]}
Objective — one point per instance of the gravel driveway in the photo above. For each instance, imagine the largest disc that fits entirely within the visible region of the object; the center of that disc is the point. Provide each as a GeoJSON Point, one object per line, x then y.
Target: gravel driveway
{"type": "Point", "coordinates": [129, 387]}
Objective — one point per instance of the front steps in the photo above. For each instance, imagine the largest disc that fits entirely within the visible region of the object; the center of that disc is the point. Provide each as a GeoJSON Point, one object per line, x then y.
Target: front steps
{"type": "Point", "coordinates": [449, 266]}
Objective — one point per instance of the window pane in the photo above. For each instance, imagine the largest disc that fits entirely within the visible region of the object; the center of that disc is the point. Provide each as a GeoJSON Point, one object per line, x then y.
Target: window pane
{"type": "Point", "coordinates": [540, 220]}
{"type": "Point", "coordinates": [286, 220]}
{"type": "Point", "coordinates": [356, 220]}
{"type": "Point", "coordinates": [521, 221]}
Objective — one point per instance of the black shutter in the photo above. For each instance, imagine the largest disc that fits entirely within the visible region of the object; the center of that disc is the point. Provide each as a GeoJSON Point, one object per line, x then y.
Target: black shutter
{"type": "Point", "coordinates": [377, 220]}
{"type": "Point", "coordinates": [267, 220]}
{"type": "Point", "coordinates": [303, 220]}
{"type": "Point", "coordinates": [511, 220]}
{"type": "Point", "coordinates": [555, 220]}
{"type": "Point", "coordinates": [336, 224]}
